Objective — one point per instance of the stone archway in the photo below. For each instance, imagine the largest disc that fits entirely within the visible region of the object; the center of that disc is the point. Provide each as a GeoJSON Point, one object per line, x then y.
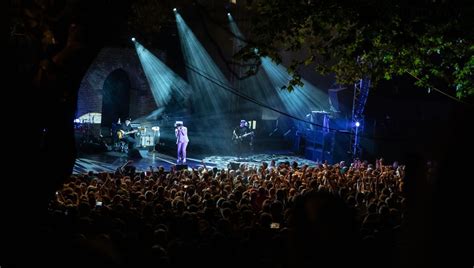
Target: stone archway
{"type": "Point", "coordinates": [115, 98]}
{"type": "Point", "coordinates": [91, 92]}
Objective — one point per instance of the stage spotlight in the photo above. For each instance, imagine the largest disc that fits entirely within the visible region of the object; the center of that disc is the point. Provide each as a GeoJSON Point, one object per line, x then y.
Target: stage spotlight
{"type": "Point", "coordinates": [175, 9]}
{"type": "Point", "coordinates": [228, 14]}
{"type": "Point", "coordinates": [357, 124]}
{"type": "Point", "coordinates": [133, 39]}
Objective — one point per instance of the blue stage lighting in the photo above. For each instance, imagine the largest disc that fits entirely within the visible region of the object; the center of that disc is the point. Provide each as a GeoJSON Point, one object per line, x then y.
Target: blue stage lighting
{"type": "Point", "coordinates": [209, 100]}
{"type": "Point", "coordinates": [164, 83]}
{"type": "Point", "coordinates": [302, 99]}
{"type": "Point", "coordinates": [357, 124]}
{"type": "Point", "coordinates": [298, 103]}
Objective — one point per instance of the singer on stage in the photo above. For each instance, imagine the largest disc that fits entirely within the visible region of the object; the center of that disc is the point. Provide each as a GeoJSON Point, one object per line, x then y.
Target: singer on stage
{"type": "Point", "coordinates": [181, 140]}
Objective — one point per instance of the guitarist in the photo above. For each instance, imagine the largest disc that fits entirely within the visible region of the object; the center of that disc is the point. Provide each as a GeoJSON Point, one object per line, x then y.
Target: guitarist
{"type": "Point", "coordinates": [243, 138]}
{"type": "Point", "coordinates": [127, 134]}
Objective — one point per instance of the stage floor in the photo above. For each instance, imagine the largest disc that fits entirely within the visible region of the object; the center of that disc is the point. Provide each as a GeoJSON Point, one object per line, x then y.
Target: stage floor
{"type": "Point", "coordinates": [110, 161]}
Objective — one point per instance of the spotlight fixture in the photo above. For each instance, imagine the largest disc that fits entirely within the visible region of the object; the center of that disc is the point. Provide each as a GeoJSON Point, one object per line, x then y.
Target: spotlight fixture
{"type": "Point", "coordinates": [175, 9]}
{"type": "Point", "coordinates": [357, 124]}
{"type": "Point", "coordinates": [228, 13]}
{"type": "Point", "coordinates": [133, 39]}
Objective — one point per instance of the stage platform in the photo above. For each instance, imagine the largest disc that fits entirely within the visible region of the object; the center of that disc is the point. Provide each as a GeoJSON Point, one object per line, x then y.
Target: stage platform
{"type": "Point", "coordinates": [110, 161]}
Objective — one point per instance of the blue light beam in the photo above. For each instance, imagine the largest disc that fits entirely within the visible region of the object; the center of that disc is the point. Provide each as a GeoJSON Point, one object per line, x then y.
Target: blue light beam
{"type": "Point", "coordinates": [162, 80]}
{"type": "Point", "coordinates": [211, 98]}
{"type": "Point", "coordinates": [257, 85]}
{"type": "Point", "coordinates": [297, 103]}
{"type": "Point", "coordinates": [213, 106]}
{"type": "Point", "coordinates": [302, 99]}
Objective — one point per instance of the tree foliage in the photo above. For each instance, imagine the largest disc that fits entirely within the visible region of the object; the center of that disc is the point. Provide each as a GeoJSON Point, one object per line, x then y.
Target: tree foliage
{"type": "Point", "coordinates": [430, 40]}
{"type": "Point", "coordinates": [144, 16]}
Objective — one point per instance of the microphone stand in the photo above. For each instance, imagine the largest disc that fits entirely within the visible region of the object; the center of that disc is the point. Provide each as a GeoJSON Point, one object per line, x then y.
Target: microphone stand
{"type": "Point", "coordinates": [155, 135]}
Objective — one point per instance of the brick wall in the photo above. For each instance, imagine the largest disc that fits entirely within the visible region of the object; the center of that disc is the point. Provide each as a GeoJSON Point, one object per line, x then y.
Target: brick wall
{"type": "Point", "coordinates": [109, 60]}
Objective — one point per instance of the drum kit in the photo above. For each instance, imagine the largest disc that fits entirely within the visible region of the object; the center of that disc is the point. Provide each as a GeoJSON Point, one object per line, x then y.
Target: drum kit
{"type": "Point", "coordinates": [147, 138]}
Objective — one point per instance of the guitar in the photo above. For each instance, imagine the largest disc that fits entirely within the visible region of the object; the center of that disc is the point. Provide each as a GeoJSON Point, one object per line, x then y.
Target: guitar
{"type": "Point", "coordinates": [236, 138]}
{"type": "Point", "coordinates": [121, 134]}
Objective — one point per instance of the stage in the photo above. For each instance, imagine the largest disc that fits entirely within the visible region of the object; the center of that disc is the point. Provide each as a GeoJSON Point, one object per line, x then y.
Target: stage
{"type": "Point", "coordinates": [110, 161]}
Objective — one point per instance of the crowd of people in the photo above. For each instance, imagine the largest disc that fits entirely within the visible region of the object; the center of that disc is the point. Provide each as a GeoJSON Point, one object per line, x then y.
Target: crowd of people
{"type": "Point", "coordinates": [271, 215]}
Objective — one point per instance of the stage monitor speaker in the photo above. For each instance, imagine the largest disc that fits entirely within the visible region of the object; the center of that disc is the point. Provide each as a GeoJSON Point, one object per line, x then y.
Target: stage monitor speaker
{"type": "Point", "coordinates": [233, 165]}
{"type": "Point", "coordinates": [181, 167]}
{"type": "Point", "coordinates": [134, 154]}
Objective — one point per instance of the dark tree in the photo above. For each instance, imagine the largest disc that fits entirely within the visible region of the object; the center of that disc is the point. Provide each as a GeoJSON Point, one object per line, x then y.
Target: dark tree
{"type": "Point", "coordinates": [431, 41]}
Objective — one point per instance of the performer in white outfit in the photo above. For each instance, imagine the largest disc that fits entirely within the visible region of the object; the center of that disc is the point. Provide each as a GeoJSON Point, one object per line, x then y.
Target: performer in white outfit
{"type": "Point", "coordinates": [181, 140]}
